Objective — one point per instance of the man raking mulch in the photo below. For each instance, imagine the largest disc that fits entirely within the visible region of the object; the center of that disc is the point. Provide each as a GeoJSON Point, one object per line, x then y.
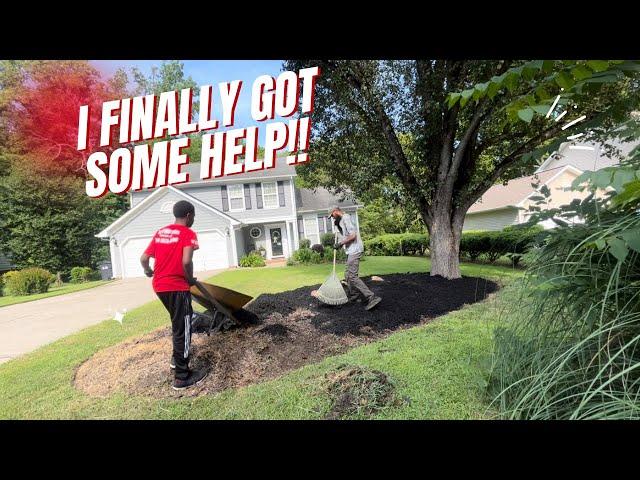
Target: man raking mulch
{"type": "Point", "coordinates": [347, 237]}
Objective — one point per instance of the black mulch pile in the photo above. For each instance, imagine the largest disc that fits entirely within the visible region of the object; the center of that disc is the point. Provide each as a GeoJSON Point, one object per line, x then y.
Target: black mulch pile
{"type": "Point", "coordinates": [406, 299]}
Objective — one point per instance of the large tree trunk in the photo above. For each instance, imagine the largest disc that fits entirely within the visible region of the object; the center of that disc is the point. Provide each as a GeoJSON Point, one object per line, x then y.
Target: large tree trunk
{"type": "Point", "coordinates": [444, 245]}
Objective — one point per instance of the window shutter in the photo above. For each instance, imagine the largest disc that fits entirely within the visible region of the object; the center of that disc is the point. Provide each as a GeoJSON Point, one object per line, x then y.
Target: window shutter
{"type": "Point", "coordinates": [321, 224]}
{"type": "Point", "coordinates": [247, 196]}
{"type": "Point", "coordinates": [300, 228]}
{"type": "Point", "coordinates": [225, 199]}
{"type": "Point", "coordinates": [258, 195]}
{"type": "Point", "coordinates": [329, 226]}
{"type": "Point", "coordinates": [281, 193]}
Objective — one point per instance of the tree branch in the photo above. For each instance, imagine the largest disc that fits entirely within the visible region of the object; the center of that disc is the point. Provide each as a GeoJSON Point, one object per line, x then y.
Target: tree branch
{"type": "Point", "coordinates": [507, 162]}
{"type": "Point", "coordinates": [393, 143]}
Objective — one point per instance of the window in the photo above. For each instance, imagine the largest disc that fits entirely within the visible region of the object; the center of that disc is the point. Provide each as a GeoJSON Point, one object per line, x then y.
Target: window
{"type": "Point", "coordinates": [236, 197]}
{"type": "Point", "coordinates": [270, 195]}
{"type": "Point", "coordinates": [311, 228]}
{"type": "Point", "coordinates": [255, 232]}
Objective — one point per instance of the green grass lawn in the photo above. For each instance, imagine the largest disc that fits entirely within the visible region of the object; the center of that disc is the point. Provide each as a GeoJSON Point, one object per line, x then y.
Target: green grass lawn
{"type": "Point", "coordinates": [53, 291]}
{"type": "Point", "coordinates": [440, 367]}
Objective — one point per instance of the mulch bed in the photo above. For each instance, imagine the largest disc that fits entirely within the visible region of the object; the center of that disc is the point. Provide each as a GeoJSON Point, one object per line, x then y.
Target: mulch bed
{"type": "Point", "coordinates": [283, 332]}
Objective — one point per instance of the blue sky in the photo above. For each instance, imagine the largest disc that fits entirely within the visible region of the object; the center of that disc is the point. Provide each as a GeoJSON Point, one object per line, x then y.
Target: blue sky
{"type": "Point", "coordinates": [212, 72]}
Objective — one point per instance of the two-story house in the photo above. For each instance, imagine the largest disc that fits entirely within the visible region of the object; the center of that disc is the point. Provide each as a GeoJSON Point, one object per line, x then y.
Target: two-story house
{"type": "Point", "coordinates": [234, 215]}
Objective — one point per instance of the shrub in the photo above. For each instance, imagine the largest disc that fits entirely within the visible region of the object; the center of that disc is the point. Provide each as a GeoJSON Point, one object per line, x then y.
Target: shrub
{"type": "Point", "coordinates": [513, 242]}
{"type": "Point", "coordinates": [82, 274]}
{"type": "Point", "coordinates": [327, 239]}
{"type": "Point", "coordinates": [316, 255]}
{"type": "Point", "coordinates": [474, 244]}
{"type": "Point", "coordinates": [302, 255]}
{"type": "Point", "coordinates": [305, 243]}
{"type": "Point", "coordinates": [28, 281]}
{"type": "Point", "coordinates": [1, 285]}
{"type": "Point", "coordinates": [253, 259]}
{"type": "Point", "coordinates": [341, 255]}
{"type": "Point", "coordinates": [6, 281]}
{"type": "Point", "coordinates": [398, 244]}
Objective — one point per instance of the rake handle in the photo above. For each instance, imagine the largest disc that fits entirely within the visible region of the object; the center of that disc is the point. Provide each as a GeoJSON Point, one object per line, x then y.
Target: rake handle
{"type": "Point", "coordinates": [335, 240]}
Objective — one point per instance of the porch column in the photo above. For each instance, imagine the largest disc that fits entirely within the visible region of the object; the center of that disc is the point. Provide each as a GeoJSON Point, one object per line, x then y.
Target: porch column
{"type": "Point", "coordinates": [296, 239]}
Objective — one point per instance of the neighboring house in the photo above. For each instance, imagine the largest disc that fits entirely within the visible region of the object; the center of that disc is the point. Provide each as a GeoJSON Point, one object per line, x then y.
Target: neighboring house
{"type": "Point", "coordinates": [503, 205]}
{"type": "Point", "coordinates": [234, 215]}
{"type": "Point", "coordinates": [5, 264]}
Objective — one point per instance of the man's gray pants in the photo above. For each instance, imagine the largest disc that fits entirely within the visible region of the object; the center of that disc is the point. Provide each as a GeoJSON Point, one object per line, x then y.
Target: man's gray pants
{"type": "Point", "coordinates": [355, 285]}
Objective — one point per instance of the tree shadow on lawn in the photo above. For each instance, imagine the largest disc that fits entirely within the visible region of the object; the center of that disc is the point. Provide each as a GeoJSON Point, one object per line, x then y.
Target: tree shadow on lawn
{"type": "Point", "coordinates": [283, 332]}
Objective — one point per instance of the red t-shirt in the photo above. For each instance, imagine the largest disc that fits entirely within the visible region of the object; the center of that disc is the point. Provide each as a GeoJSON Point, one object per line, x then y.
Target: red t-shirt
{"type": "Point", "coordinates": [166, 247]}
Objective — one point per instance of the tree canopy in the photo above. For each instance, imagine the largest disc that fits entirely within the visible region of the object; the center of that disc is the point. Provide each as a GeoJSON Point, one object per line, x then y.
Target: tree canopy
{"type": "Point", "coordinates": [47, 219]}
{"type": "Point", "coordinates": [437, 134]}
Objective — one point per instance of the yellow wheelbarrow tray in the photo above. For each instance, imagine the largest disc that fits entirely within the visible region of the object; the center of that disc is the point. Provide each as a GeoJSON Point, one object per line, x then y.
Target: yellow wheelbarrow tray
{"type": "Point", "coordinates": [220, 300]}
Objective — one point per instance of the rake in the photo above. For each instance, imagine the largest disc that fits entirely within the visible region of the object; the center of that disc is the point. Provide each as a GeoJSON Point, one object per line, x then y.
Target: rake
{"type": "Point", "coordinates": [331, 291]}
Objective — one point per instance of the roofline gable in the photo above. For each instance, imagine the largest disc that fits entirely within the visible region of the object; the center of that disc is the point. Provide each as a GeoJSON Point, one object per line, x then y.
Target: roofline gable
{"type": "Point", "coordinates": [132, 213]}
{"type": "Point", "coordinates": [533, 191]}
{"type": "Point", "coordinates": [575, 170]}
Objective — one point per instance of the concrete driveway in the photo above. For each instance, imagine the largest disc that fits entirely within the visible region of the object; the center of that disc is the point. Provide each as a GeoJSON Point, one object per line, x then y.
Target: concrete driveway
{"type": "Point", "coordinates": [27, 326]}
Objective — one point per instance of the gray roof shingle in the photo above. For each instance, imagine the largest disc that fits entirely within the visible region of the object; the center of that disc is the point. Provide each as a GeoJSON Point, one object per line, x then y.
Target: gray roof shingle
{"type": "Point", "coordinates": [319, 199]}
{"type": "Point", "coordinates": [281, 169]}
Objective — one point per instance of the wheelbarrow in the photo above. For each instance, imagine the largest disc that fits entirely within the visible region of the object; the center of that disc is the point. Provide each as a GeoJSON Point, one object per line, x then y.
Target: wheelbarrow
{"type": "Point", "coordinates": [222, 306]}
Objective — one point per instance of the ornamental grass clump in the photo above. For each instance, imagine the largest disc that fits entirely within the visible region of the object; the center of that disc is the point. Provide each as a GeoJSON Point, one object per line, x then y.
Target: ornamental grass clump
{"type": "Point", "coordinates": [571, 350]}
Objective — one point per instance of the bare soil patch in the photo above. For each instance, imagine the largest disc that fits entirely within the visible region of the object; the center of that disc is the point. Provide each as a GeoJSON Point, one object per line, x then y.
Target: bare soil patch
{"type": "Point", "coordinates": [282, 332]}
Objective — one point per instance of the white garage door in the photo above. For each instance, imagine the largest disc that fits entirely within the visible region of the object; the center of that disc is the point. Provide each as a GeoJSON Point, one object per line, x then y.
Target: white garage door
{"type": "Point", "coordinates": [212, 253]}
{"type": "Point", "coordinates": [131, 251]}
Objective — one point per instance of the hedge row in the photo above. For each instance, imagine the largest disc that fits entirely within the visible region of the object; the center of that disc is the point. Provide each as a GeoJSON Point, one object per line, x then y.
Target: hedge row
{"type": "Point", "coordinates": [512, 242]}
{"type": "Point", "coordinates": [398, 244]}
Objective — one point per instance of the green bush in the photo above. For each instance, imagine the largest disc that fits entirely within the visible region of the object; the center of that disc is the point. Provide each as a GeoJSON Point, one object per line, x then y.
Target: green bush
{"type": "Point", "coordinates": [315, 257]}
{"type": "Point", "coordinates": [474, 244]}
{"type": "Point", "coordinates": [28, 281]}
{"type": "Point", "coordinates": [513, 242]}
{"type": "Point", "coordinates": [306, 255]}
{"type": "Point", "coordinates": [6, 281]}
{"type": "Point", "coordinates": [1, 285]}
{"type": "Point", "coordinates": [253, 259]}
{"type": "Point", "coordinates": [305, 243]}
{"type": "Point", "coordinates": [341, 254]}
{"type": "Point", "coordinates": [398, 244]}
{"type": "Point", "coordinates": [83, 274]}
{"type": "Point", "coordinates": [327, 239]}
{"type": "Point", "coordinates": [302, 255]}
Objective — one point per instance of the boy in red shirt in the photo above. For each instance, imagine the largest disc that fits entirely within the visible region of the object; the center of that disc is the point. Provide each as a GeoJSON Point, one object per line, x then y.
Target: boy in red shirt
{"type": "Point", "coordinates": [173, 247]}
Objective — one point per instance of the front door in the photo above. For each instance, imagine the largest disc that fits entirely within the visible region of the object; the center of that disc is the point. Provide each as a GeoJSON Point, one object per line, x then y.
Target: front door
{"type": "Point", "coordinates": [276, 242]}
